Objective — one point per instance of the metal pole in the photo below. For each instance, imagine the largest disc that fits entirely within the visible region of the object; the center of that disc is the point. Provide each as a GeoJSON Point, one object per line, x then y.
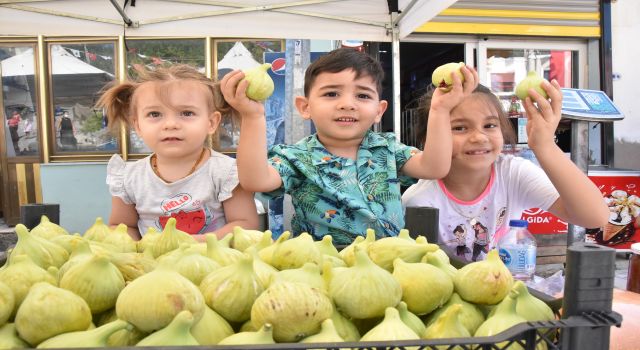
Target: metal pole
{"type": "Point", "coordinates": [395, 52]}
{"type": "Point", "coordinates": [580, 156]}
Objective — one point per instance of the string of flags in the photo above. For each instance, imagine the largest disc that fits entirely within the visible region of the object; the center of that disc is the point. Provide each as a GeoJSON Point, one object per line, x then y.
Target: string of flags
{"type": "Point", "coordinates": [90, 55]}
{"type": "Point", "coordinates": [82, 54]}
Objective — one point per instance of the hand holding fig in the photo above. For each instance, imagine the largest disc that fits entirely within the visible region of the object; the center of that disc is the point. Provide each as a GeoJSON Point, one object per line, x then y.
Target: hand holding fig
{"type": "Point", "coordinates": [260, 83]}
{"type": "Point", "coordinates": [543, 116]}
{"type": "Point", "coordinates": [441, 77]}
{"type": "Point", "coordinates": [532, 81]}
{"type": "Point", "coordinates": [455, 81]}
{"type": "Point", "coordinates": [234, 89]}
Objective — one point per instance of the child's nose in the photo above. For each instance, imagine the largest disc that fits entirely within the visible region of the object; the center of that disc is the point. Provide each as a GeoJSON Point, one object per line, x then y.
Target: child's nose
{"type": "Point", "coordinates": [346, 103]}
{"type": "Point", "coordinates": [478, 135]}
{"type": "Point", "coordinates": [171, 122]}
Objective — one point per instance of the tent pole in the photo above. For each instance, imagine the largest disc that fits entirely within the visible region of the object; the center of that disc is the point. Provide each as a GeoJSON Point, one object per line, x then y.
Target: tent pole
{"type": "Point", "coordinates": [124, 16]}
{"type": "Point", "coordinates": [395, 52]}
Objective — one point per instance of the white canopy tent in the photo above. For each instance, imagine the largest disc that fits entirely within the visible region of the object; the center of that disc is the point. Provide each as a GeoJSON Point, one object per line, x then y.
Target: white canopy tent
{"type": "Point", "coordinates": [238, 57]}
{"type": "Point", "coordinates": [65, 63]}
{"type": "Point", "coordinates": [369, 20]}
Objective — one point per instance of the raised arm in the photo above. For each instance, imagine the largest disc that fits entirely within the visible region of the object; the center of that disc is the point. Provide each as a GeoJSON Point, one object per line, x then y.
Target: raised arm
{"type": "Point", "coordinates": [254, 171]}
{"type": "Point", "coordinates": [580, 201]}
{"type": "Point", "coordinates": [435, 159]}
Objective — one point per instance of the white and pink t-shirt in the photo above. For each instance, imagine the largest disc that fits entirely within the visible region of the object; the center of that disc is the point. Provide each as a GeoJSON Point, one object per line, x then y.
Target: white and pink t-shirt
{"type": "Point", "coordinates": [471, 228]}
{"type": "Point", "coordinates": [195, 201]}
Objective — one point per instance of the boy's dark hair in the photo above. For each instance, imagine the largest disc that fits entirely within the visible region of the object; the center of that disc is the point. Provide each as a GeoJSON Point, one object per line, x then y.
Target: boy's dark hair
{"type": "Point", "coordinates": [506, 127]}
{"type": "Point", "coordinates": [342, 59]}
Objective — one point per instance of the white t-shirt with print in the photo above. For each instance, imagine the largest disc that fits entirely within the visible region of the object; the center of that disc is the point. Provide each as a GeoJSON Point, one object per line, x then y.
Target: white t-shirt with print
{"type": "Point", "coordinates": [195, 201]}
{"type": "Point", "coordinates": [471, 228]}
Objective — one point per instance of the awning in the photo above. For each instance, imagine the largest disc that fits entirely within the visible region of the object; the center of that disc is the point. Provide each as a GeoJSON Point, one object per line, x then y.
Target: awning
{"type": "Point", "coordinates": [369, 20]}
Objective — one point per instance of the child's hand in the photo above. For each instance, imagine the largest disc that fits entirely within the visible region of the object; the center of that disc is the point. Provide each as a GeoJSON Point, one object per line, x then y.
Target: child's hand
{"type": "Point", "coordinates": [542, 121]}
{"type": "Point", "coordinates": [234, 92]}
{"type": "Point", "coordinates": [446, 101]}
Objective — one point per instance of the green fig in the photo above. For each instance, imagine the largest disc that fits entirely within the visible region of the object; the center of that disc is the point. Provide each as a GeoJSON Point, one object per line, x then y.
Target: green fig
{"type": "Point", "coordinates": [328, 334]}
{"type": "Point", "coordinates": [231, 290]}
{"type": "Point", "coordinates": [262, 336]}
{"type": "Point", "coordinates": [390, 328]}
{"type": "Point", "coordinates": [295, 310]}
{"type": "Point", "coordinates": [471, 316]}
{"type": "Point", "coordinates": [532, 81]}
{"type": "Point", "coordinates": [99, 231]}
{"type": "Point", "coordinates": [96, 280]}
{"type": "Point", "coordinates": [410, 319]}
{"type": "Point", "coordinates": [260, 83]}
{"type": "Point", "coordinates": [484, 282]}
{"type": "Point", "coordinates": [175, 333]}
{"type": "Point", "coordinates": [447, 325]}
{"type": "Point", "coordinates": [7, 302]}
{"type": "Point", "coordinates": [211, 328]}
{"type": "Point", "coordinates": [9, 338]}
{"type": "Point", "coordinates": [94, 338]}
{"type": "Point", "coordinates": [170, 239]}
{"type": "Point", "coordinates": [40, 250]}
{"type": "Point", "coordinates": [424, 287]}
{"type": "Point", "coordinates": [441, 77]}
{"type": "Point", "coordinates": [48, 311]}
{"type": "Point", "coordinates": [47, 229]}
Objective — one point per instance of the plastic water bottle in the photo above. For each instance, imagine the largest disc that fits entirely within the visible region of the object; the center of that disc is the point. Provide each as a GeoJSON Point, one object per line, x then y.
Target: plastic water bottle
{"type": "Point", "coordinates": [517, 249]}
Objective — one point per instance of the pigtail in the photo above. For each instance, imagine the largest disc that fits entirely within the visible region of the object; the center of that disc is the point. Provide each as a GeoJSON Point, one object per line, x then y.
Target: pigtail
{"type": "Point", "coordinates": [219, 103]}
{"type": "Point", "coordinates": [116, 102]}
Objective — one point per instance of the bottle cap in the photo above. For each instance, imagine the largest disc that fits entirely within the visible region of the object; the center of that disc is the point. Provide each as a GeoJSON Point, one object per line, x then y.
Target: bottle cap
{"type": "Point", "coordinates": [635, 248]}
{"type": "Point", "coordinates": [518, 223]}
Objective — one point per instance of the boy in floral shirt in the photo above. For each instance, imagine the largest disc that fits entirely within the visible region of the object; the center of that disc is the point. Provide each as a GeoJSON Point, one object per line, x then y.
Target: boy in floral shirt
{"type": "Point", "coordinates": [345, 178]}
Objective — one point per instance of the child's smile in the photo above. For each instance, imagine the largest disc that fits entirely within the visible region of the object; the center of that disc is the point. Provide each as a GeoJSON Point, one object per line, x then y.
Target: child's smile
{"type": "Point", "coordinates": [346, 121]}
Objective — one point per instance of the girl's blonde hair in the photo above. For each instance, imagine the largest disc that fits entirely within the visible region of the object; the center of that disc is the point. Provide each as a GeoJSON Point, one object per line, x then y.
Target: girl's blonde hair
{"type": "Point", "coordinates": [117, 98]}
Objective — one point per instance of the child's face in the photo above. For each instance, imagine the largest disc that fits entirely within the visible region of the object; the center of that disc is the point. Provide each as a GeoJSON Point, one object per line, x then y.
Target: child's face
{"type": "Point", "coordinates": [174, 118]}
{"type": "Point", "coordinates": [342, 107]}
{"type": "Point", "coordinates": [477, 137]}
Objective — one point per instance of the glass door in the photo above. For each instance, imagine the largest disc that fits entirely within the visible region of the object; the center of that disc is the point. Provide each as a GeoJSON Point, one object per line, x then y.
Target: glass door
{"type": "Point", "coordinates": [502, 64]}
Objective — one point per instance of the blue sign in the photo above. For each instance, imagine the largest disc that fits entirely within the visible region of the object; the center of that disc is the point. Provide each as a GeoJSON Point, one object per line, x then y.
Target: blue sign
{"type": "Point", "coordinates": [588, 105]}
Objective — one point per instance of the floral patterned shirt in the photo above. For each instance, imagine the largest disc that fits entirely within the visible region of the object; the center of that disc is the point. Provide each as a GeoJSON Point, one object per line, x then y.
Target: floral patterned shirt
{"type": "Point", "coordinates": [339, 196]}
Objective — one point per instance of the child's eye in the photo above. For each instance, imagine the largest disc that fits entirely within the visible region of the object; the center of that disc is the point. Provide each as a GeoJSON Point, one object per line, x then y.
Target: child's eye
{"type": "Point", "coordinates": [364, 96]}
{"type": "Point", "coordinates": [153, 114]}
{"type": "Point", "coordinates": [331, 94]}
{"type": "Point", "coordinates": [458, 128]}
{"type": "Point", "coordinates": [187, 113]}
{"type": "Point", "coordinates": [491, 126]}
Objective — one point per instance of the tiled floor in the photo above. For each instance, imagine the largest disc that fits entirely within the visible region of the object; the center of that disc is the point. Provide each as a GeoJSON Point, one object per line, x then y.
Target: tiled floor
{"type": "Point", "coordinates": [4, 228]}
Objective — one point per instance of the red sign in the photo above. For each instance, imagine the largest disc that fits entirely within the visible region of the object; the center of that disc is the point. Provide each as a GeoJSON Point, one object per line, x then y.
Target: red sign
{"type": "Point", "coordinates": [542, 221]}
{"type": "Point", "coordinates": [622, 195]}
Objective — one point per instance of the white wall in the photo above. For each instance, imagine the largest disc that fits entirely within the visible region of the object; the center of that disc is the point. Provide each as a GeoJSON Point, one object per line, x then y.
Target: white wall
{"type": "Point", "coordinates": [80, 190]}
{"type": "Point", "coordinates": [626, 51]}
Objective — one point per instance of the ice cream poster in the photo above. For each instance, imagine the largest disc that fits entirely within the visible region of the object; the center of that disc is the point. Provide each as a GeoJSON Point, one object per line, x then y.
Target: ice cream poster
{"type": "Point", "coordinates": [622, 196]}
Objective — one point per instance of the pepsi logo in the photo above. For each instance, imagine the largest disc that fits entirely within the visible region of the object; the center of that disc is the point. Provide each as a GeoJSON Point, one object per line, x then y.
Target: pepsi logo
{"type": "Point", "coordinates": [278, 66]}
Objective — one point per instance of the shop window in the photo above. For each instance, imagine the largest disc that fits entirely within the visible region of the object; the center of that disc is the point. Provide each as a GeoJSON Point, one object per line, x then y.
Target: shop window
{"type": "Point", "coordinates": [19, 97]}
{"type": "Point", "coordinates": [507, 67]}
{"type": "Point", "coordinates": [149, 54]}
{"type": "Point", "coordinates": [79, 72]}
{"type": "Point", "coordinates": [246, 54]}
